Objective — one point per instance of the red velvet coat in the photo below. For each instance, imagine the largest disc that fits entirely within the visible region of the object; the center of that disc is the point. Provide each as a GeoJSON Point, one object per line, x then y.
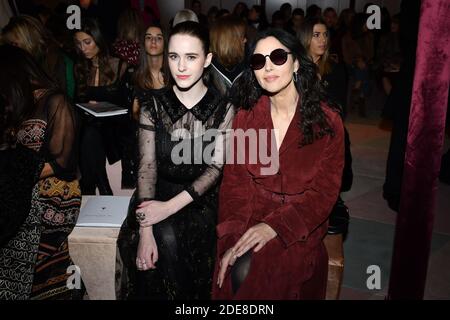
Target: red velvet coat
{"type": "Point", "coordinates": [295, 202]}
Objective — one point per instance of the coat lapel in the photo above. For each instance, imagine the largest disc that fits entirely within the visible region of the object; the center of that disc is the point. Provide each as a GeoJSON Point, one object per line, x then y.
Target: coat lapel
{"type": "Point", "coordinates": [292, 133]}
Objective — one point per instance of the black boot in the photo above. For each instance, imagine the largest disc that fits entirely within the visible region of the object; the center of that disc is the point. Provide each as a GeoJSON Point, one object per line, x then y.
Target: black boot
{"type": "Point", "coordinates": [87, 188]}
{"type": "Point", "coordinates": [103, 186]}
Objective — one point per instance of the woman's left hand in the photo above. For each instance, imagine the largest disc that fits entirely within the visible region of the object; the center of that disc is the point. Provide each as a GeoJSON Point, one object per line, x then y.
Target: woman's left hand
{"type": "Point", "coordinates": [258, 236]}
{"type": "Point", "coordinates": [154, 211]}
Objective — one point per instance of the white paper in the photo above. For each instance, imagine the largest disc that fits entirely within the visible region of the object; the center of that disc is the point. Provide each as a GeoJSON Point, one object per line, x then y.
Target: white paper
{"type": "Point", "coordinates": [102, 109]}
{"type": "Point", "coordinates": [104, 211]}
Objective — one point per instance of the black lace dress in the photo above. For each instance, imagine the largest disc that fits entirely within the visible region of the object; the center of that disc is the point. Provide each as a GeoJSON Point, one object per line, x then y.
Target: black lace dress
{"type": "Point", "coordinates": [186, 240]}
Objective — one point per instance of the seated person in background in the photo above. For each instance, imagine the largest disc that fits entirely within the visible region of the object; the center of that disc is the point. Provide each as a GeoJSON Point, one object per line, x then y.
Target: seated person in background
{"type": "Point", "coordinates": [48, 125]}
{"type": "Point", "coordinates": [99, 78]}
{"type": "Point", "coordinates": [228, 40]}
{"type": "Point", "coordinates": [30, 34]}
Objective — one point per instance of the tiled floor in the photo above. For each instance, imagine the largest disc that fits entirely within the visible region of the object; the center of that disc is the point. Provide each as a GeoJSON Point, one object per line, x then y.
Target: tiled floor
{"type": "Point", "coordinates": [372, 227]}
{"type": "Point", "coordinates": [370, 239]}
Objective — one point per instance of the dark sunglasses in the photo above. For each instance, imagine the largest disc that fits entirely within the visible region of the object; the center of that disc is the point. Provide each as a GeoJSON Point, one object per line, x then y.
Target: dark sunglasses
{"type": "Point", "coordinates": [277, 56]}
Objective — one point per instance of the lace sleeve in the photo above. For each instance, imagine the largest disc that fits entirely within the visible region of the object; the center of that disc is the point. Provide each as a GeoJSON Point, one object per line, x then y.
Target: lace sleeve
{"type": "Point", "coordinates": [218, 156]}
{"type": "Point", "coordinates": [61, 137]}
{"type": "Point", "coordinates": [147, 172]}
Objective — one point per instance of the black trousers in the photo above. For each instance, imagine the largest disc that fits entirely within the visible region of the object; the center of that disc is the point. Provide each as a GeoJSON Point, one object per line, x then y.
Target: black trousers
{"type": "Point", "coordinates": [93, 160]}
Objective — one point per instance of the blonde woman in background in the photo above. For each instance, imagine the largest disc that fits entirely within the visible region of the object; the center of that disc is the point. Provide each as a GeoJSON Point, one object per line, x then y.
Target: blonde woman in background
{"type": "Point", "coordinates": [228, 47]}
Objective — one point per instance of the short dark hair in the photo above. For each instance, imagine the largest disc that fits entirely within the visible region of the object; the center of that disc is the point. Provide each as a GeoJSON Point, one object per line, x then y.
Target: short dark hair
{"type": "Point", "coordinates": [329, 9]}
{"type": "Point", "coordinates": [298, 12]}
{"type": "Point", "coordinates": [312, 10]}
{"type": "Point", "coordinates": [286, 6]}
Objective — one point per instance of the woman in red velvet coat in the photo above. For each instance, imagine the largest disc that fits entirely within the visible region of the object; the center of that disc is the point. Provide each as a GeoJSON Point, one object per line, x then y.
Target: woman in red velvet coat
{"type": "Point", "coordinates": [273, 214]}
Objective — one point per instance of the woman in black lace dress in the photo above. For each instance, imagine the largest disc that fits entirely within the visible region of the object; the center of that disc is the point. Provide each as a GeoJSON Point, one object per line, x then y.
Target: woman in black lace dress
{"type": "Point", "coordinates": [169, 253]}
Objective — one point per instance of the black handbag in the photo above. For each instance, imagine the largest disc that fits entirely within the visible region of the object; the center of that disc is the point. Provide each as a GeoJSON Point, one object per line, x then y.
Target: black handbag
{"type": "Point", "coordinates": [339, 218]}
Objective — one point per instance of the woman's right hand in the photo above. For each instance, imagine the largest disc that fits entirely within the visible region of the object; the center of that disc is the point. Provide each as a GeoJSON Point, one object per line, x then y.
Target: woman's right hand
{"type": "Point", "coordinates": [147, 253]}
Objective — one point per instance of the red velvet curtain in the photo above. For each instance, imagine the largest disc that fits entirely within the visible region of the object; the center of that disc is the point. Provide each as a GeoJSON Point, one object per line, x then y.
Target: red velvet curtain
{"type": "Point", "coordinates": [414, 225]}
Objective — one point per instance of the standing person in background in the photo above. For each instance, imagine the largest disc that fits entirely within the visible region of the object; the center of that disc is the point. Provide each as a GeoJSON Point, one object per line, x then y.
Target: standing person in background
{"type": "Point", "coordinates": [99, 78]}
{"type": "Point", "coordinates": [29, 34]}
{"type": "Point", "coordinates": [315, 38]}
{"type": "Point", "coordinates": [228, 41]}
{"type": "Point", "coordinates": [49, 126]}
{"type": "Point", "coordinates": [167, 241]}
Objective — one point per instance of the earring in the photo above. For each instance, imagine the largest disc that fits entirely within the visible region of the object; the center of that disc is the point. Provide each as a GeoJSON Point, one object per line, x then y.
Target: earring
{"type": "Point", "coordinates": [295, 76]}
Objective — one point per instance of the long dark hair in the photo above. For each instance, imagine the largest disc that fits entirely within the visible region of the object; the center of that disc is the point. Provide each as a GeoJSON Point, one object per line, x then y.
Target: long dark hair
{"type": "Point", "coordinates": [313, 122]}
{"type": "Point", "coordinates": [143, 77]}
{"type": "Point", "coordinates": [83, 66]}
{"type": "Point", "coordinates": [306, 36]}
{"type": "Point", "coordinates": [193, 29]}
{"type": "Point", "coordinates": [20, 76]}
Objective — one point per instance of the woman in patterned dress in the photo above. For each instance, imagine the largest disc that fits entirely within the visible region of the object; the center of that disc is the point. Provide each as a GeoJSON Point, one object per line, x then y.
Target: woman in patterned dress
{"type": "Point", "coordinates": [48, 126]}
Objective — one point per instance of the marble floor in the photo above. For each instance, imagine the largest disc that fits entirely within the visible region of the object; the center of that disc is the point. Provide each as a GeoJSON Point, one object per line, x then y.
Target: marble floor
{"type": "Point", "coordinates": [372, 226]}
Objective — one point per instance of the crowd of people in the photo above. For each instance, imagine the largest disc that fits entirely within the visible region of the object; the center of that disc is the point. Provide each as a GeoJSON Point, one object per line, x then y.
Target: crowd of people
{"type": "Point", "coordinates": [204, 226]}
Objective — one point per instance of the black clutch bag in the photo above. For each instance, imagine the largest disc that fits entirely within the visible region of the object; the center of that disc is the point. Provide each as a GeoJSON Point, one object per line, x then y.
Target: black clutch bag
{"type": "Point", "coordinates": [339, 218]}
